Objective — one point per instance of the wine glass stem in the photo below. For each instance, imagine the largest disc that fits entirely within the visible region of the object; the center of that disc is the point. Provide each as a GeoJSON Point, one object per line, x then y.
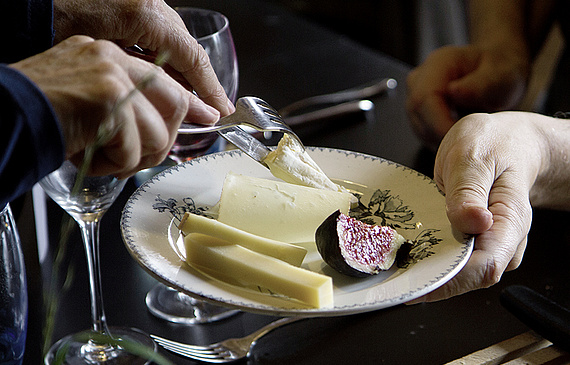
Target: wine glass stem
{"type": "Point", "coordinates": [90, 233]}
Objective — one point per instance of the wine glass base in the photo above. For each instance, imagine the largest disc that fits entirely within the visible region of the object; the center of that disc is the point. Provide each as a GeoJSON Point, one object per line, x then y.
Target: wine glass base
{"type": "Point", "coordinates": [76, 350]}
{"type": "Point", "coordinates": [173, 306]}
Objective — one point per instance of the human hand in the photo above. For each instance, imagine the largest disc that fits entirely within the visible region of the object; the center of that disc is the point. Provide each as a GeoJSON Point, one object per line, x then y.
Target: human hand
{"type": "Point", "coordinates": [151, 25]}
{"type": "Point", "coordinates": [454, 81]}
{"type": "Point", "coordinates": [487, 172]}
{"type": "Point", "coordinates": [84, 80]}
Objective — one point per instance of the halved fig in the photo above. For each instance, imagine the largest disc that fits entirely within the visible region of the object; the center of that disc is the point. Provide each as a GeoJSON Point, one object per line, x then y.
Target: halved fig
{"type": "Point", "coordinates": [355, 248]}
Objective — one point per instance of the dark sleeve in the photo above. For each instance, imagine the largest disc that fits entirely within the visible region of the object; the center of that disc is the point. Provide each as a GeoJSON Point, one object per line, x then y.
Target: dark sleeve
{"type": "Point", "coordinates": [27, 28]}
{"type": "Point", "coordinates": [31, 143]}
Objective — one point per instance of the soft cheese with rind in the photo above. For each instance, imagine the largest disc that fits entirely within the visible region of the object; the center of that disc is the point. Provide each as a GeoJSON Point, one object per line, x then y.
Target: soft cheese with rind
{"type": "Point", "coordinates": [291, 163]}
{"type": "Point", "coordinates": [193, 223]}
{"type": "Point", "coordinates": [222, 259]}
{"type": "Point", "coordinates": [276, 209]}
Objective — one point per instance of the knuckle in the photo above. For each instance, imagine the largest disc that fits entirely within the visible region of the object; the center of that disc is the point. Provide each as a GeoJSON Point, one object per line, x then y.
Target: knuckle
{"type": "Point", "coordinates": [101, 48]}
{"type": "Point", "coordinates": [112, 80]}
{"type": "Point", "coordinates": [201, 59]}
{"type": "Point", "coordinates": [157, 145]}
{"type": "Point", "coordinates": [517, 216]}
{"type": "Point", "coordinates": [78, 39]}
{"type": "Point", "coordinates": [491, 273]}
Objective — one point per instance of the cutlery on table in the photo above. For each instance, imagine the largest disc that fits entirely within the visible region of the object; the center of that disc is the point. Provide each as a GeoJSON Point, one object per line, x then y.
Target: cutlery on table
{"type": "Point", "coordinates": [226, 351]}
{"type": "Point", "coordinates": [344, 102]}
{"type": "Point", "coordinates": [362, 92]}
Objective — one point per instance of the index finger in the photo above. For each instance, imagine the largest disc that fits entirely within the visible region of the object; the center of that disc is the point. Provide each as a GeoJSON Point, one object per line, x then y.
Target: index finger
{"type": "Point", "coordinates": [166, 34]}
{"type": "Point", "coordinates": [190, 59]}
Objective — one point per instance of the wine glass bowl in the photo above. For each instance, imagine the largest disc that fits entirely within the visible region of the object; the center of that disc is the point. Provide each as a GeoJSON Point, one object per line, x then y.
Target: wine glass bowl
{"type": "Point", "coordinates": [95, 195]}
{"type": "Point", "coordinates": [212, 31]}
{"type": "Point", "coordinates": [86, 199]}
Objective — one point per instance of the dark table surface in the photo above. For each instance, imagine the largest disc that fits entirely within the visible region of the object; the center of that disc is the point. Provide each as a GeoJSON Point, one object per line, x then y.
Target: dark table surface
{"type": "Point", "coordinates": [283, 58]}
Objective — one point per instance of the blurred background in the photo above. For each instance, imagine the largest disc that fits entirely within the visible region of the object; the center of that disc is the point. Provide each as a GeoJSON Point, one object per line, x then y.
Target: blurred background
{"type": "Point", "coordinates": [409, 30]}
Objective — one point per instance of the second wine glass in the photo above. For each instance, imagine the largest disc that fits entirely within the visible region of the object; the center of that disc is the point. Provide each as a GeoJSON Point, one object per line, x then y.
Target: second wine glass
{"type": "Point", "coordinates": [86, 199]}
{"type": "Point", "coordinates": [212, 30]}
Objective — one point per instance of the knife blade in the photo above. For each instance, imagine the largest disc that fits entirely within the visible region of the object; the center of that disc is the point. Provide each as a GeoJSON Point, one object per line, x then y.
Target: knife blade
{"type": "Point", "coordinates": [247, 143]}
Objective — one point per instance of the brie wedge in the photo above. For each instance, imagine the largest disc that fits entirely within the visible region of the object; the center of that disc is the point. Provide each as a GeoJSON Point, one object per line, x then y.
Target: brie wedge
{"type": "Point", "coordinates": [291, 163]}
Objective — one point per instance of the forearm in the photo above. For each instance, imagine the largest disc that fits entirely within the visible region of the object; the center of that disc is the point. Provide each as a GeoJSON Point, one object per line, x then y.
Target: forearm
{"type": "Point", "coordinates": [498, 29]}
{"type": "Point", "coordinates": [552, 186]}
{"type": "Point", "coordinates": [517, 25]}
{"type": "Point", "coordinates": [498, 22]}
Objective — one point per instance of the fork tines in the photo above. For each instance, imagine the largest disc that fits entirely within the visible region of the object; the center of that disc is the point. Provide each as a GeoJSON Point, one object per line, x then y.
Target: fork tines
{"type": "Point", "coordinates": [268, 109]}
{"type": "Point", "coordinates": [204, 353]}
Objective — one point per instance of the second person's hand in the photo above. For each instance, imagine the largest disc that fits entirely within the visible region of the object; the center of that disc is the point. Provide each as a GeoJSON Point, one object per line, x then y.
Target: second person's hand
{"type": "Point", "coordinates": [455, 81]}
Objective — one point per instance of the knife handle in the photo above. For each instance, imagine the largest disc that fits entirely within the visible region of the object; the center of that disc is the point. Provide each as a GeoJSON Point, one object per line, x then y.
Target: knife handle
{"type": "Point", "coordinates": [542, 315]}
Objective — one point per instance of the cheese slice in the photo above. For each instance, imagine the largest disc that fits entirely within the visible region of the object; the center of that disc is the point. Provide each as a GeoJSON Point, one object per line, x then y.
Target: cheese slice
{"type": "Point", "coordinates": [193, 223]}
{"type": "Point", "coordinates": [222, 260]}
{"type": "Point", "coordinates": [276, 209]}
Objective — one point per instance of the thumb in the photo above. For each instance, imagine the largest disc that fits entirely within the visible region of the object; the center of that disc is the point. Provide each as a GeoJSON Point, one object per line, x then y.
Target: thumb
{"type": "Point", "coordinates": [466, 184]}
{"type": "Point", "coordinates": [467, 211]}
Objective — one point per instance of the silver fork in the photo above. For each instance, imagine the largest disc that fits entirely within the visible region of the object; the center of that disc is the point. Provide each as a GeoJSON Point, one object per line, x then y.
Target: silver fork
{"type": "Point", "coordinates": [229, 350]}
{"type": "Point", "coordinates": [250, 111]}
{"type": "Point", "coordinates": [253, 112]}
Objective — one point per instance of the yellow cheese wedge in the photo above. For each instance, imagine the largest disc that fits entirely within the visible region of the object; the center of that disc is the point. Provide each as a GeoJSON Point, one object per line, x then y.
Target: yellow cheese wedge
{"type": "Point", "coordinates": [193, 223]}
{"type": "Point", "coordinates": [276, 209]}
{"type": "Point", "coordinates": [222, 259]}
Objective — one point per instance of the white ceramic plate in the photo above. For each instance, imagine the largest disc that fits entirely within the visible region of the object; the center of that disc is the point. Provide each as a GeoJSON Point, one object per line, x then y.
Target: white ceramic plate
{"type": "Point", "coordinates": [391, 194]}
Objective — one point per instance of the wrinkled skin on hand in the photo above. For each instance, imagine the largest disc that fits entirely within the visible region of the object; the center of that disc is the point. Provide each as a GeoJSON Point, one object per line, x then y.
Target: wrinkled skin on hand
{"type": "Point", "coordinates": [84, 79]}
{"type": "Point", "coordinates": [153, 26]}
{"type": "Point", "coordinates": [454, 81]}
{"type": "Point", "coordinates": [490, 175]}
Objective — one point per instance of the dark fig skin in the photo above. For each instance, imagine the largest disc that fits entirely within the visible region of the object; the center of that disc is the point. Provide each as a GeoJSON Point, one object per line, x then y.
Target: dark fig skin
{"type": "Point", "coordinates": [328, 244]}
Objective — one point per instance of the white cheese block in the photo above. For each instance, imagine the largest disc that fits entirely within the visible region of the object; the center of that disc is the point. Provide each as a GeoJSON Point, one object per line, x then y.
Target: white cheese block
{"type": "Point", "coordinates": [222, 260]}
{"type": "Point", "coordinates": [276, 209]}
{"type": "Point", "coordinates": [193, 223]}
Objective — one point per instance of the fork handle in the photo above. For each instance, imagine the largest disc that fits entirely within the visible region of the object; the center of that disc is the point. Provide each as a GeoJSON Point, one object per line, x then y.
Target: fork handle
{"type": "Point", "coordinates": [273, 325]}
{"type": "Point", "coordinates": [187, 128]}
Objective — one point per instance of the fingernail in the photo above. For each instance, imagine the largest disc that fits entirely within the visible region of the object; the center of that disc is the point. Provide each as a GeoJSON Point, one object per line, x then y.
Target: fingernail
{"type": "Point", "coordinates": [208, 113]}
{"type": "Point", "coordinates": [231, 106]}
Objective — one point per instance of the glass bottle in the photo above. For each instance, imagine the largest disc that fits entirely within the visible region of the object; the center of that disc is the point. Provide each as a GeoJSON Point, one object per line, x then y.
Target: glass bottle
{"type": "Point", "coordinates": [13, 292]}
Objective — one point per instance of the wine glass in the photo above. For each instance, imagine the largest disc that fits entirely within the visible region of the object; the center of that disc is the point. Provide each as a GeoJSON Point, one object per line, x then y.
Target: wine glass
{"type": "Point", "coordinates": [13, 294]}
{"type": "Point", "coordinates": [211, 29]}
{"type": "Point", "coordinates": [86, 199]}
